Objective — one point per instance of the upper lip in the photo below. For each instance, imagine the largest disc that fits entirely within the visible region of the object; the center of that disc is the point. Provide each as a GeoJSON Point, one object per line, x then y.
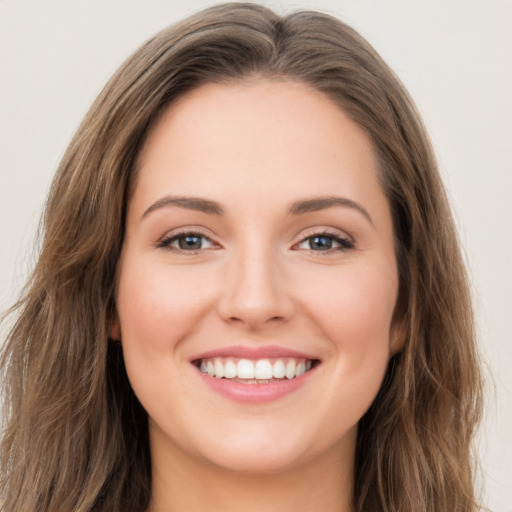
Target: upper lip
{"type": "Point", "coordinates": [250, 352]}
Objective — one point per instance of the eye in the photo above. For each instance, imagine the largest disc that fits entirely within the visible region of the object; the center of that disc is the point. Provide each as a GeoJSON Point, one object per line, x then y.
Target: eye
{"type": "Point", "coordinates": [325, 242]}
{"type": "Point", "coordinates": [187, 242]}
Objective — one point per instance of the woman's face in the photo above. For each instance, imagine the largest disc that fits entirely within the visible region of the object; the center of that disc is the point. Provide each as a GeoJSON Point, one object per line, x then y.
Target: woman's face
{"type": "Point", "coordinates": [259, 245]}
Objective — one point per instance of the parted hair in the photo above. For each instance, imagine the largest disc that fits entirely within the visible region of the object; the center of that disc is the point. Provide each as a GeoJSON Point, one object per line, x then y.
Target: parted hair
{"type": "Point", "coordinates": [75, 437]}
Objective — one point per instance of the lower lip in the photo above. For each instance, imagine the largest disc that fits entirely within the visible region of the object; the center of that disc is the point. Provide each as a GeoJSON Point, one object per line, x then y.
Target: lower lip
{"type": "Point", "coordinates": [254, 393]}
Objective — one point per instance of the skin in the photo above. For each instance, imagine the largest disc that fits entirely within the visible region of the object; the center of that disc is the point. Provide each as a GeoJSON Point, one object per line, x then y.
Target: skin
{"type": "Point", "coordinates": [255, 148]}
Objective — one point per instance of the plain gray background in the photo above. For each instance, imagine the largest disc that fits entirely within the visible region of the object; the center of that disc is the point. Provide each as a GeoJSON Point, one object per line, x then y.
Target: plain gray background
{"type": "Point", "coordinates": [454, 56]}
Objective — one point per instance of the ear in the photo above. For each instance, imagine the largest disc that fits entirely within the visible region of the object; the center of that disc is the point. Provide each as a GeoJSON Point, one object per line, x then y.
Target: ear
{"type": "Point", "coordinates": [398, 334]}
{"type": "Point", "coordinates": [114, 331]}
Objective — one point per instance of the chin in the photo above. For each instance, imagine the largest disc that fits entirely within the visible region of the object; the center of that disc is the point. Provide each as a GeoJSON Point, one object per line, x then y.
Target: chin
{"type": "Point", "coordinates": [263, 449]}
{"type": "Point", "coordinates": [256, 461]}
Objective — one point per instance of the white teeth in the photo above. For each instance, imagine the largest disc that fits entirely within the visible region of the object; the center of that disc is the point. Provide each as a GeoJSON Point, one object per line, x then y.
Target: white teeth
{"type": "Point", "coordinates": [290, 369]}
{"type": "Point", "coordinates": [300, 369]}
{"type": "Point", "coordinates": [230, 370]}
{"type": "Point", "coordinates": [278, 370]}
{"type": "Point", "coordinates": [219, 368]}
{"type": "Point", "coordinates": [245, 369]}
{"type": "Point", "coordinates": [262, 370]}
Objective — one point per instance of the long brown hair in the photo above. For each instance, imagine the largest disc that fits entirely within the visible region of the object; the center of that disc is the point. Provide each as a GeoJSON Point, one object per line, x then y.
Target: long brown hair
{"type": "Point", "coordinates": [75, 436]}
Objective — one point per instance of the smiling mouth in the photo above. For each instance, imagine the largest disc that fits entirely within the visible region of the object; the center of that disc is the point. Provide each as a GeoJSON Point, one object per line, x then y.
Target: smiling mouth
{"type": "Point", "coordinates": [259, 371]}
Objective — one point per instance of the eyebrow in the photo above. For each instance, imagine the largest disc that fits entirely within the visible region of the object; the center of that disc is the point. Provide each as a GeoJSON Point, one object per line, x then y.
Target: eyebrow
{"type": "Point", "coordinates": [296, 208]}
{"type": "Point", "coordinates": [189, 203]}
{"type": "Point", "coordinates": [322, 203]}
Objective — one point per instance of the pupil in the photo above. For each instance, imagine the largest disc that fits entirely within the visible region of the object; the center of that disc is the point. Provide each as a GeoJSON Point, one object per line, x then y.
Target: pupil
{"type": "Point", "coordinates": [190, 242]}
{"type": "Point", "coordinates": [321, 242]}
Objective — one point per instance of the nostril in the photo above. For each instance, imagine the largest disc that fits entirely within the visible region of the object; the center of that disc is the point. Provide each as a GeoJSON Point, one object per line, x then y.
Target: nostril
{"type": "Point", "coordinates": [254, 320]}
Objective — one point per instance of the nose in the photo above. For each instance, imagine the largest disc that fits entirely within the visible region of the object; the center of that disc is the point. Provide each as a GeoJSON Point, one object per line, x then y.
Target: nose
{"type": "Point", "coordinates": [255, 294]}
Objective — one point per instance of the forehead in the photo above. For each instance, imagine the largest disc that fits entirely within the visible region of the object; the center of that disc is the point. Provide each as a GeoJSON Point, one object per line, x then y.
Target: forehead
{"type": "Point", "coordinates": [260, 138]}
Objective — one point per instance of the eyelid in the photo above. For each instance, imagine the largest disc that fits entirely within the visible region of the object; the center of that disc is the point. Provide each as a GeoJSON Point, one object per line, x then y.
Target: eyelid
{"type": "Point", "coordinates": [165, 241]}
{"type": "Point", "coordinates": [345, 240]}
{"type": "Point", "coordinates": [325, 230]}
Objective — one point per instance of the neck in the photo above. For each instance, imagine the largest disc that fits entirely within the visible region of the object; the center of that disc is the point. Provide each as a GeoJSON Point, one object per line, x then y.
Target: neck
{"type": "Point", "coordinates": [184, 483]}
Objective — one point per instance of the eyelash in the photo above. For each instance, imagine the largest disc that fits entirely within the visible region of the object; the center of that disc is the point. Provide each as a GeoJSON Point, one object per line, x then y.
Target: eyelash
{"type": "Point", "coordinates": [344, 242]}
{"type": "Point", "coordinates": [166, 242]}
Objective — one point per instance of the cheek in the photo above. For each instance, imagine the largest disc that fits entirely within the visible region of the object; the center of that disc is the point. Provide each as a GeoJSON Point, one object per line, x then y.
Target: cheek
{"type": "Point", "coordinates": [354, 310]}
{"type": "Point", "coordinates": [158, 307]}
{"type": "Point", "coordinates": [351, 308]}
{"type": "Point", "coordinates": [158, 304]}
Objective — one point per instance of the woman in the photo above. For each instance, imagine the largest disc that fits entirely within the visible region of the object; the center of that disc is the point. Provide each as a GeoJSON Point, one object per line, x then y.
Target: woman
{"type": "Point", "coordinates": [250, 291]}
